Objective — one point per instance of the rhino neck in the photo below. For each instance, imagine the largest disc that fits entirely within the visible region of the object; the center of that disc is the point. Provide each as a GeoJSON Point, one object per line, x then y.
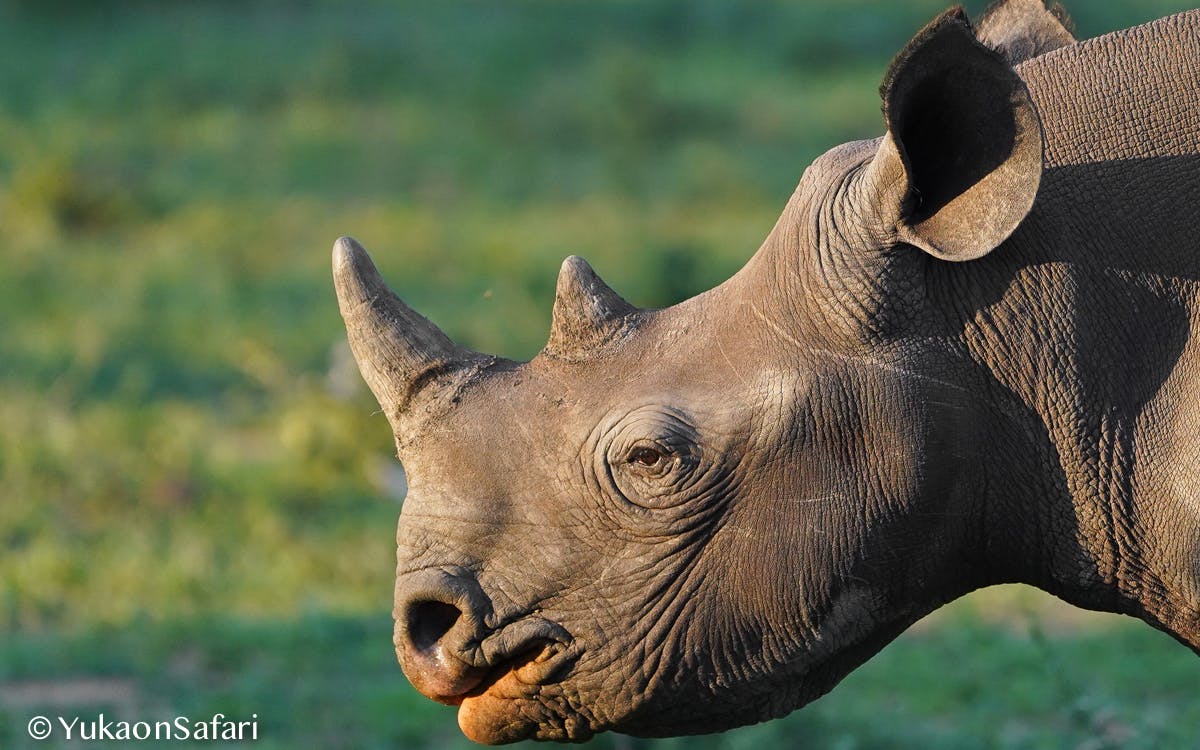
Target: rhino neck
{"type": "Point", "coordinates": [1093, 435]}
{"type": "Point", "coordinates": [1074, 335]}
{"type": "Point", "coordinates": [1083, 330]}
{"type": "Point", "coordinates": [1083, 323]}
{"type": "Point", "coordinates": [1073, 342]}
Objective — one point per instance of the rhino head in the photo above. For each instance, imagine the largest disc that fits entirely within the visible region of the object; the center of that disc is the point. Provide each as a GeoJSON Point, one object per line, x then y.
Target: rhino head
{"type": "Point", "coordinates": [682, 520]}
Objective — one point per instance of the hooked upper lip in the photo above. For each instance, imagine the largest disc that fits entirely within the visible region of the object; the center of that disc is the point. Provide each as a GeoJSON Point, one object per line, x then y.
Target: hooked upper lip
{"type": "Point", "coordinates": [539, 657]}
{"type": "Point", "coordinates": [535, 650]}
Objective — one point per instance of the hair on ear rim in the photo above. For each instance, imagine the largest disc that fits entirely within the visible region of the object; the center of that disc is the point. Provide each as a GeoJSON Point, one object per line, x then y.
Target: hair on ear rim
{"type": "Point", "coordinates": [956, 16]}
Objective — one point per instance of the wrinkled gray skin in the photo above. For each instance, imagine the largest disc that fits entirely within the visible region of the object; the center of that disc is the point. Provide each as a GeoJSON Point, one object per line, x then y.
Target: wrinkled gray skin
{"type": "Point", "coordinates": [962, 357]}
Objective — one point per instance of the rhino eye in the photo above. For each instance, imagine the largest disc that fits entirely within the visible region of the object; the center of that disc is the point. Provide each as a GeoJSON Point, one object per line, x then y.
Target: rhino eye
{"type": "Point", "coordinates": [652, 459]}
{"type": "Point", "coordinates": [645, 456]}
{"type": "Point", "coordinates": [651, 455]}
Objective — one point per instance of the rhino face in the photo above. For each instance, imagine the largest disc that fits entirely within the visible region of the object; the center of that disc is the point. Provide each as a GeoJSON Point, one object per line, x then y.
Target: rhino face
{"type": "Point", "coordinates": [683, 520]}
{"type": "Point", "coordinates": [597, 544]}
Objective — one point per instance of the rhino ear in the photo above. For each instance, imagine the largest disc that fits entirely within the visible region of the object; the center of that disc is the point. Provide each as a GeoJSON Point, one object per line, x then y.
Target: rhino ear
{"type": "Point", "coordinates": [962, 160]}
{"type": "Point", "coordinates": [1023, 29]}
{"type": "Point", "coordinates": [588, 314]}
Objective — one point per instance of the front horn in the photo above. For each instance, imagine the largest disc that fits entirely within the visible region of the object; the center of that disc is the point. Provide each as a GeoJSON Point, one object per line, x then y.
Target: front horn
{"type": "Point", "coordinates": [399, 352]}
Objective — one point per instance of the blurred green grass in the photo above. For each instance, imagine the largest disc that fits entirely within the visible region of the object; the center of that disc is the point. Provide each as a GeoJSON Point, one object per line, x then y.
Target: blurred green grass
{"type": "Point", "coordinates": [329, 681]}
{"type": "Point", "coordinates": [189, 462]}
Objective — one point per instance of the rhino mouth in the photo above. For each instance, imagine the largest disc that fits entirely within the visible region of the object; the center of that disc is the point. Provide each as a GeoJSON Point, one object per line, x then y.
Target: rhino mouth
{"type": "Point", "coordinates": [532, 652]}
{"type": "Point", "coordinates": [519, 695]}
{"type": "Point", "coordinates": [540, 662]}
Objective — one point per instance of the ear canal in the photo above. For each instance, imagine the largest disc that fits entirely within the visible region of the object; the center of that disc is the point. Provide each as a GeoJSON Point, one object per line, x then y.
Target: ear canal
{"type": "Point", "coordinates": [588, 315]}
{"type": "Point", "coordinates": [1023, 29]}
{"type": "Point", "coordinates": [968, 140]}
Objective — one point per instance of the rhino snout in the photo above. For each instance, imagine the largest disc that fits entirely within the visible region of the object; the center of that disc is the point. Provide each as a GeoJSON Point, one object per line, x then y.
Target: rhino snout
{"type": "Point", "coordinates": [448, 651]}
{"type": "Point", "coordinates": [439, 615]}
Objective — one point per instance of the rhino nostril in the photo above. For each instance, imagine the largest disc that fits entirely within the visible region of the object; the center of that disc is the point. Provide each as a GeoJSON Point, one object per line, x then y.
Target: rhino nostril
{"type": "Point", "coordinates": [429, 621]}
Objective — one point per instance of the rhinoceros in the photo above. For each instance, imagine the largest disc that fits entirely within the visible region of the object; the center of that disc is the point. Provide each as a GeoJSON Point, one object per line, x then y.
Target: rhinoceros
{"type": "Point", "coordinates": [962, 357]}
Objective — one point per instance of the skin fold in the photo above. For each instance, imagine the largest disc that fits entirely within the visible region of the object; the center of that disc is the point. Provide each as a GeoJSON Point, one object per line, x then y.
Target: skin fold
{"type": "Point", "coordinates": [962, 357]}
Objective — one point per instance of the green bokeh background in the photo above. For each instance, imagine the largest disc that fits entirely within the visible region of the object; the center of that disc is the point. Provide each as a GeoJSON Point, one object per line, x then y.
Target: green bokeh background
{"type": "Point", "coordinates": [197, 494]}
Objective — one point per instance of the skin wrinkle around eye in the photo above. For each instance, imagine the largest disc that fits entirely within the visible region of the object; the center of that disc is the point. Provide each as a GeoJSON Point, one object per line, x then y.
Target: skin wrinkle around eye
{"type": "Point", "coordinates": [656, 485]}
{"type": "Point", "coordinates": [663, 430]}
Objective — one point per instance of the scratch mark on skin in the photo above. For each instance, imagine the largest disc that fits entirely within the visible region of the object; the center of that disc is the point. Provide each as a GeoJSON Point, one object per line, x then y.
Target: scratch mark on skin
{"type": "Point", "coordinates": [854, 358]}
{"type": "Point", "coordinates": [775, 327]}
{"type": "Point", "coordinates": [728, 361]}
{"type": "Point", "coordinates": [810, 500]}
